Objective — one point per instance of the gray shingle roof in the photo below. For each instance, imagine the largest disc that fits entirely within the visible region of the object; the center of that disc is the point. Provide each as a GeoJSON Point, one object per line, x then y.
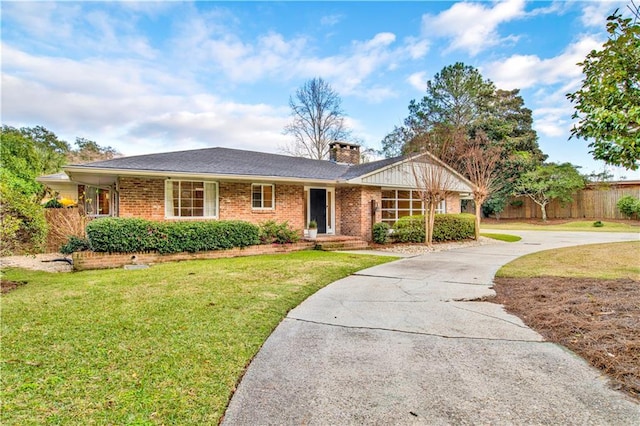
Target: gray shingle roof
{"type": "Point", "coordinates": [226, 161]}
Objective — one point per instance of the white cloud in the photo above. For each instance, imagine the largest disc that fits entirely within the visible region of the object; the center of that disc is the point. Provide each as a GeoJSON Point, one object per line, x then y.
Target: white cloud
{"type": "Point", "coordinates": [416, 48]}
{"type": "Point", "coordinates": [127, 105]}
{"type": "Point", "coordinates": [418, 80]}
{"type": "Point", "coordinates": [69, 28]}
{"type": "Point", "coordinates": [552, 121]}
{"type": "Point", "coordinates": [523, 71]}
{"type": "Point", "coordinates": [594, 14]}
{"type": "Point", "coordinates": [472, 27]}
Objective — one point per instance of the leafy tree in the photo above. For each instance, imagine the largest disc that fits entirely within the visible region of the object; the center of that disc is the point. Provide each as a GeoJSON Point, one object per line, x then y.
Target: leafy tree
{"type": "Point", "coordinates": [396, 142]}
{"type": "Point", "coordinates": [607, 105]}
{"type": "Point", "coordinates": [317, 120]}
{"type": "Point", "coordinates": [629, 206]}
{"type": "Point", "coordinates": [460, 98]}
{"type": "Point", "coordinates": [22, 224]}
{"type": "Point", "coordinates": [25, 154]}
{"type": "Point", "coordinates": [52, 151]}
{"type": "Point", "coordinates": [457, 96]}
{"type": "Point", "coordinates": [509, 126]}
{"type": "Point", "coordinates": [88, 151]}
{"type": "Point", "coordinates": [548, 182]}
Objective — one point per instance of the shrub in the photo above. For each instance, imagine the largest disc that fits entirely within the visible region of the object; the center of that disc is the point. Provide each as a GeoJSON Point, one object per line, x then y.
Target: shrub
{"type": "Point", "coordinates": [124, 235]}
{"type": "Point", "coordinates": [629, 206]}
{"type": "Point", "coordinates": [381, 233]}
{"type": "Point", "coordinates": [453, 227]}
{"type": "Point", "coordinates": [23, 228]}
{"type": "Point", "coordinates": [75, 244]}
{"type": "Point", "coordinates": [446, 227]}
{"type": "Point", "coordinates": [53, 204]}
{"type": "Point", "coordinates": [272, 232]}
{"type": "Point", "coordinates": [127, 235]}
{"type": "Point", "coordinates": [598, 224]}
{"type": "Point", "coordinates": [409, 229]}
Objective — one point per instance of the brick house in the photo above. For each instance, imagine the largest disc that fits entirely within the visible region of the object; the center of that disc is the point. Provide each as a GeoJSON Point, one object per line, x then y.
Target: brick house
{"type": "Point", "coordinates": [342, 195]}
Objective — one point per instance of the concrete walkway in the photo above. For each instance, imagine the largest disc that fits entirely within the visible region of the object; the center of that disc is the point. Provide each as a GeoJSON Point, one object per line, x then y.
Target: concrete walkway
{"type": "Point", "coordinates": [398, 344]}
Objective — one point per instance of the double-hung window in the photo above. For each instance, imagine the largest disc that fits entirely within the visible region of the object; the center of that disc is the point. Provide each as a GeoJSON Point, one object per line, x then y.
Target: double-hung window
{"type": "Point", "coordinates": [191, 199]}
{"type": "Point", "coordinates": [262, 196]}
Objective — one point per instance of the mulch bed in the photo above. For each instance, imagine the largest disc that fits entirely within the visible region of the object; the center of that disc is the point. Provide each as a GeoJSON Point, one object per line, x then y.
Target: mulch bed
{"type": "Point", "coordinates": [597, 319]}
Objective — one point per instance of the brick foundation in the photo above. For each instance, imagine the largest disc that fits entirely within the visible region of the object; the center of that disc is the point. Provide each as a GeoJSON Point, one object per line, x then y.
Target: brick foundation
{"type": "Point", "coordinates": [83, 261]}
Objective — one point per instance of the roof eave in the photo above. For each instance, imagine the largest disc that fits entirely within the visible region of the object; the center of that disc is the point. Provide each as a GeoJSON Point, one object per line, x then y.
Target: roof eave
{"type": "Point", "coordinates": [190, 175]}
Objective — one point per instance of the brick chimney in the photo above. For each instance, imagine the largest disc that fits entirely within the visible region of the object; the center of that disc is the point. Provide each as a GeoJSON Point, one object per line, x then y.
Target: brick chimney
{"type": "Point", "coordinates": [343, 152]}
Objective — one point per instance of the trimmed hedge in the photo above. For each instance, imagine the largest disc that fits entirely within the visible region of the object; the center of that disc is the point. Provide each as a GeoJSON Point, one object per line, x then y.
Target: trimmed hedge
{"type": "Point", "coordinates": [380, 233]}
{"type": "Point", "coordinates": [409, 229]}
{"type": "Point", "coordinates": [128, 235]}
{"type": "Point", "coordinates": [446, 227]}
{"type": "Point", "coordinates": [75, 244]}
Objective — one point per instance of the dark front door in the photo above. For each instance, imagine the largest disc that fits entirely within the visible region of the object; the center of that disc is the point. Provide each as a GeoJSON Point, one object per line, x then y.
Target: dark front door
{"type": "Point", "coordinates": [318, 208]}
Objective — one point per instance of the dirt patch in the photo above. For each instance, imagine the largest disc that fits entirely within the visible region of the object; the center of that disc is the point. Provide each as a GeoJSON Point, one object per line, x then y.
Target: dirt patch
{"type": "Point", "coordinates": [7, 286]}
{"type": "Point", "coordinates": [597, 319]}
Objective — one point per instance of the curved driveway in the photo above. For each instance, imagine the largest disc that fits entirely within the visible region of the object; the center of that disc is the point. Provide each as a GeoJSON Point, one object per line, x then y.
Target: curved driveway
{"type": "Point", "coordinates": [402, 343]}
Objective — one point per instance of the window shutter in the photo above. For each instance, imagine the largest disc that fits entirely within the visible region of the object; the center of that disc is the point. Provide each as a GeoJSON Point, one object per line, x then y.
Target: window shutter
{"type": "Point", "coordinates": [168, 198]}
{"type": "Point", "coordinates": [210, 199]}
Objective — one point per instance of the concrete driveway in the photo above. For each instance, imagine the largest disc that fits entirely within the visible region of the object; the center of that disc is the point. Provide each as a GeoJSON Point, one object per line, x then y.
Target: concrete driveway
{"type": "Point", "coordinates": [402, 343]}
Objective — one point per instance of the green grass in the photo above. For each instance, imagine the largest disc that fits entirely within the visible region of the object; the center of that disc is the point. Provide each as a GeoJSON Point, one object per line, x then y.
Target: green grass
{"type": "Point", "coordinates": [165, 345]}
{"type": "Point", "coordinates": [501, 237]}
{"type": "Point", "coordinates": [580, 225]}
{"type": "Point", "coordinates": [600, 261]}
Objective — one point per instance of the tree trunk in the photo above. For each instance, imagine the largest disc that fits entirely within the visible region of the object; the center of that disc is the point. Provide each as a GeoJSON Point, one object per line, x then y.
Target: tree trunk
{"type": "Point", "coordinates": [543, 208]}
{"type": "Point", "coordinates": [428, 222]}
{"type": "Point", "coordinates": [478, 205]}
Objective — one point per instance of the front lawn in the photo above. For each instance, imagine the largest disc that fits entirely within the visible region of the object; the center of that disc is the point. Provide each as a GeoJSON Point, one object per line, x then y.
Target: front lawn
{"type": "Point", "coordinates": [165, 345]}
{"type": "Point", "coordinates": [560, 225]}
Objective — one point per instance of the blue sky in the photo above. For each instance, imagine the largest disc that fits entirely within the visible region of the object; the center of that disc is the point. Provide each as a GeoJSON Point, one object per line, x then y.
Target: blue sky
{"type": "Point", "coordinates": [151, 77]}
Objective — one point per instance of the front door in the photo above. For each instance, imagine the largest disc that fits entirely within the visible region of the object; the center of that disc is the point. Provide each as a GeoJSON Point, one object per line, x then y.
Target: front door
{"type": "Point", "coordinates": [318, 208]}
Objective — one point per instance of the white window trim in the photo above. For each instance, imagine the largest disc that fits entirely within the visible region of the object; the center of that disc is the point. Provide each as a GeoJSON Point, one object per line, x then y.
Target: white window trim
{"type": "Point", "coordinates": [168, 199]}
{"type": "Point", "coordinates": [273, 196]}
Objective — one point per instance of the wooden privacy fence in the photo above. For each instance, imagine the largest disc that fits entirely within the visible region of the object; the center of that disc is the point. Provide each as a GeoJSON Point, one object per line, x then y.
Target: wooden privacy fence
{"type": "Point", "coordinates": [590, 203]}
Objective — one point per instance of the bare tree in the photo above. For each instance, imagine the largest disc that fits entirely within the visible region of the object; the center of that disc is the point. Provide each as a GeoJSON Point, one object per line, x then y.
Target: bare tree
{"type": "Point", "coordinates": [318, 120]}
{"type": "Point", "coordinates": [434, 178]}
{"type": "Point", "coordinates": [479, 162]}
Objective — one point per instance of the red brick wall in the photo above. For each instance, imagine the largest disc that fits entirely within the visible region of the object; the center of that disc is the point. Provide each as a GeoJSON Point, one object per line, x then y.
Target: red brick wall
{"type": "Point", "coordinates": [354, 215]}
{"type": "Point", "coordinates": [85, 260]}
{"type": "Point", "coordinates": [141, 197]}
{"type": "Point", "coordinates": [235, 204]}
{"type": "Point", "coordinates": [144, 198]}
